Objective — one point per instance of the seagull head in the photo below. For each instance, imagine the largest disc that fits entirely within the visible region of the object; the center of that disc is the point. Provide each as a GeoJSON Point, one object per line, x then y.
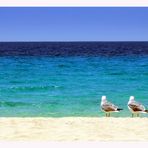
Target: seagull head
{"type": "Point", "coordinates": [103, 99]}
{"type": "Point", "coordinates": [131, 98]}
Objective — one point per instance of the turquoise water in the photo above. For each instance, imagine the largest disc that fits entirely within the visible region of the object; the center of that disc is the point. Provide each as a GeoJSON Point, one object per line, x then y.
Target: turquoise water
{"type": "Point", "coordinates": [70, 86]}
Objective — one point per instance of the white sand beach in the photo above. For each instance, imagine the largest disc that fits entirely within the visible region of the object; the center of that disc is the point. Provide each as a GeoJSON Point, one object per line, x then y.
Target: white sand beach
{"type": "Point", "coordinates": [74, 129]}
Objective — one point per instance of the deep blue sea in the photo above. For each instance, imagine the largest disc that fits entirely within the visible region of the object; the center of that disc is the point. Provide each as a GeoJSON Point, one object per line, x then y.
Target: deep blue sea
{"type": "Point", "coordinates": [62, 79]}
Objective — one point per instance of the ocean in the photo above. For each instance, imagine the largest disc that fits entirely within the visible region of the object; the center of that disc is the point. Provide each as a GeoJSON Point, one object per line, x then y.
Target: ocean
{"type": "Point", "coordinates": [64, 79]}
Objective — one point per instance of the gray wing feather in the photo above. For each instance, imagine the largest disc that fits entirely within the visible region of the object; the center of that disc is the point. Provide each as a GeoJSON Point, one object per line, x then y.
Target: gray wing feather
{"type": "Point", "coordinates": [136, 106]}
{"type": "Point", "coordinates": [109, 107]}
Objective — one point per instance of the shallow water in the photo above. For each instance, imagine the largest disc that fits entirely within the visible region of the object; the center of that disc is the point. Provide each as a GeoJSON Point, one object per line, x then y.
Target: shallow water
{"type": "Point", "coordinates": [60, 86]}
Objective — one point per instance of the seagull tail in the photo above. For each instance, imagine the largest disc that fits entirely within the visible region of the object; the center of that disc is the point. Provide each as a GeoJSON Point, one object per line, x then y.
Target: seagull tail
{"type": "Point", "coordinates": [118, 109]}
{"type": "Point", "coordinates": [146, 111]}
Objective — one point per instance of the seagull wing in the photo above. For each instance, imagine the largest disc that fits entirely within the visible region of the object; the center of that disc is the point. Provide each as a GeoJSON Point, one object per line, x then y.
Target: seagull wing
{"type": "Point", "coordinates": [108, 107]}
{"type": "Point", "coordinates": [136, 106]}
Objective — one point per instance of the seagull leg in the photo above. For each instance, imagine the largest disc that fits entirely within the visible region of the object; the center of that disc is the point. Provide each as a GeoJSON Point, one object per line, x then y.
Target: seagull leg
{"type": "Point", "coordinates": [109, 115]}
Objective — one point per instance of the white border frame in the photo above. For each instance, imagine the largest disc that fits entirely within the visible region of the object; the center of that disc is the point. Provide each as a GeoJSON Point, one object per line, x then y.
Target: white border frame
{"type": "Point", "coordinates": [40, 144]}
{"type": "Point", "coordinates": [67, 3]}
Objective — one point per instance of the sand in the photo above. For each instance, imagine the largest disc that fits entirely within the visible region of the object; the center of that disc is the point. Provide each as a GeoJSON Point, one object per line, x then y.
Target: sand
{"type": "Point", "coordinates": [74, 129]}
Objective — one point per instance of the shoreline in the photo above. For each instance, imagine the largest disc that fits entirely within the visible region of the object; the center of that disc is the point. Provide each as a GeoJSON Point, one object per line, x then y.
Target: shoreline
{"type": "Point", "coordinates": [73, 129]}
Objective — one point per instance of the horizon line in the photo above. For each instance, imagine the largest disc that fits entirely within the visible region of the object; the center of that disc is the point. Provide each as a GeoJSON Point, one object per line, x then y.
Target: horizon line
{"type": "Point", "coordinates": [71, 41]}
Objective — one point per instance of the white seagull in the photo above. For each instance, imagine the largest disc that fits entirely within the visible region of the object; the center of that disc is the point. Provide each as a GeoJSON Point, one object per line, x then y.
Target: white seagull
{"type": "Point", "coordinates": [136, 107]}
{"type": "Point", "coordinates": [108, 107]}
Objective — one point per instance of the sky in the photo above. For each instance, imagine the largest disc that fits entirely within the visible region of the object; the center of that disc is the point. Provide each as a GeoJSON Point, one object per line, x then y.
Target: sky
{"type": "Point", "coordinates": [73, 24]}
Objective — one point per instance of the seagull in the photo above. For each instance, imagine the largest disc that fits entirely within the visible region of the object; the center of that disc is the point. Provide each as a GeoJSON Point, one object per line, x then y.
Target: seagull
{"type": "Point", "coordinates": [136, 107]}
{"type": "Point", "coordinates": [108, 107]}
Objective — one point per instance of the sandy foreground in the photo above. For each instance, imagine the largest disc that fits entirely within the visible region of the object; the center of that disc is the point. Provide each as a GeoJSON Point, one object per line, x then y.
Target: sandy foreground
{"type": "Point", "coordinates": [74, 129]}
